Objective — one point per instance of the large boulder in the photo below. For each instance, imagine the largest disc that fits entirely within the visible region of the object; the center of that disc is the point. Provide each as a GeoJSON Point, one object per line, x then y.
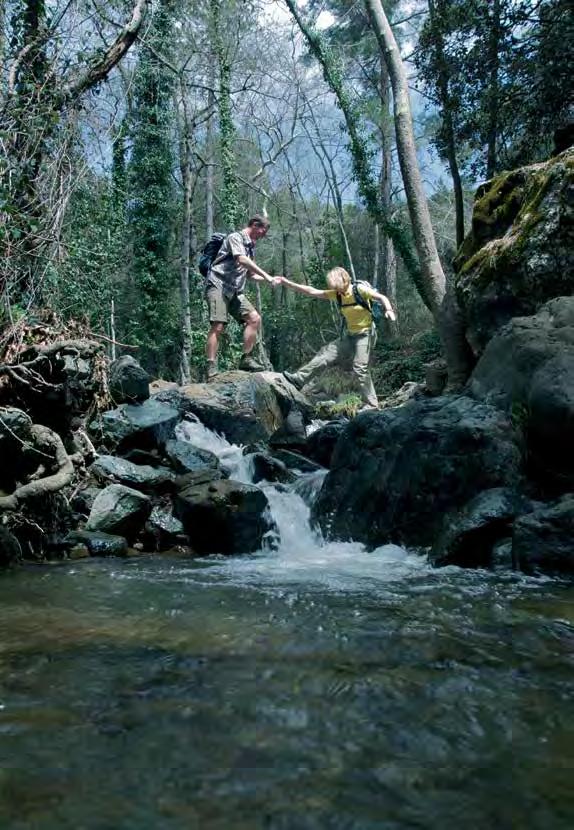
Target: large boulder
{"type": "Point", "coordinates": [394, 474]}
{"type": "Point", "coordinates": [518, 254]}
{"type": "Point", "coordinates": [128, 383]}
{"type": "Point", "coordinates": [146, 425]}
{"type": "Point", "coordinates": [224, 517]}
{"type": "Point", "coordinates": [244, 407]}
{"type": "Point", "coordinates": [139, 476]}
{"type": "Point", "coordinates": [527, 370]}
{"type": "Point", "coordinates": [120, 511]}
{"type": "Point", "coordinates": [543, 541]}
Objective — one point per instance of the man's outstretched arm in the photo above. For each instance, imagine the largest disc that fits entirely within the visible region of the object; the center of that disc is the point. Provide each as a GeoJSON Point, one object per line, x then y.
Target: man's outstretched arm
{"type": "Point", "coordinates": [255, 272]}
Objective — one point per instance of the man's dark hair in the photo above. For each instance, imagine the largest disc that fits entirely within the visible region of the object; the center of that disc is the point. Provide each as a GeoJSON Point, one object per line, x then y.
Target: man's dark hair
{"type": "Point", "coordinates": [259, 221]}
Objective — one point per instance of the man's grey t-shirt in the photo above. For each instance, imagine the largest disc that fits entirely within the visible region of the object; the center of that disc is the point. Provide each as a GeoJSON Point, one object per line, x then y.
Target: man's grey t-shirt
{"type": "Point", "coordinates": [225, 272]}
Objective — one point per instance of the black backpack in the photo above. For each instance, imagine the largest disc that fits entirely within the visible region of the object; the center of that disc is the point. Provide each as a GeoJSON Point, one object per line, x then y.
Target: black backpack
{"type": "Point", "coordinates": [209, 252]}
{"type": "Point", "coordinates": [374, 308]}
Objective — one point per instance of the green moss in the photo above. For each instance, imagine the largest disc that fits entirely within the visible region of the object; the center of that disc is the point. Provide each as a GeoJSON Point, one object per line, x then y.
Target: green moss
{"type": "Point", "coordinates": [512, 204]}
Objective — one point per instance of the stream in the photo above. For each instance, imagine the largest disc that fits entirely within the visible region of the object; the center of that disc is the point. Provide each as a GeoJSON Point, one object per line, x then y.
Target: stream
{"type": "Point", "coordinates": [318, 685]}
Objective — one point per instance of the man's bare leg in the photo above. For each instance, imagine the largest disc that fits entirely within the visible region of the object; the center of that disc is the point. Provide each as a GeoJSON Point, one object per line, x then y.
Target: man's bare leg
{"type": "Point", "coordinates": [211, 348]}
{"type": "Point", "coordinates": [250, 330]}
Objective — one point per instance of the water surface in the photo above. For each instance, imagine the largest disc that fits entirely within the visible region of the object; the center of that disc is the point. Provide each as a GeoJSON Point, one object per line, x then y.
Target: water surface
{"type": "Point", "coordinates": [317, 686]}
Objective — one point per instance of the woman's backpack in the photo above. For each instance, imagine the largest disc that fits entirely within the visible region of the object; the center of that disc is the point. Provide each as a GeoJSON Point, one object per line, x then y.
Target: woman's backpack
{"type": "Point", "coordinates": [375, 309]}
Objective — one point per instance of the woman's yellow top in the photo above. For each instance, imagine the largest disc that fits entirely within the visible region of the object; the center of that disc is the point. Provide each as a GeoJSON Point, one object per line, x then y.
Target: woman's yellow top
{"type": "Point", "coordinates": [358, 319]}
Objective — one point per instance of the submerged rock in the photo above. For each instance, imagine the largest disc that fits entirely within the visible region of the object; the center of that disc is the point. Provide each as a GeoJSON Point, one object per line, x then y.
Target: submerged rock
{"type": "Point", "coordinates": [98, 543]}
{"type": "Point", "coordinates": [224, 517]}
{"type": "Point", "coordinates": [394, 474]}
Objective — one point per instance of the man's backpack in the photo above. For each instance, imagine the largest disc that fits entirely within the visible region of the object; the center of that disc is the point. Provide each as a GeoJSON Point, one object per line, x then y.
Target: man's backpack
{"type": "Point", "coordinates": [374, 308]}
{"type": "Point", "coordinates": [209, 252]}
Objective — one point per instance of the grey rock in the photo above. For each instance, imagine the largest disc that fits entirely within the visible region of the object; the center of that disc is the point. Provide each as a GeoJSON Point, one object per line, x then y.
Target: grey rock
{"type": "Point", "coordinates": [83, 500]}
{"type": "Point", "coordinates": [141, 477]}
{"type": "Point", "coordinates": [292, 433]}
{"type": "Point", "coordinates": [244, 407]}
{"type": "Point", "coordinates": [527, 370]}
{"type": "Point", "coordinates": [394, 474]}
{"type": "Point", "coordinates": [120, 511]}
{"type": "Point", "coordinates": [543, 541]}
{"type": "Point", "coordinates": [471, 533]}
{"type": "Point", "coordinates": [146, 425]}
{"type": "Point", "coordinates": [189, 459]}
{"type": "Point", "coordinates": [224, 517]}
{"type": "Point", "coordinates": [129, 383]}
{"type": "Point", "coordinates": [205, 476]}
{"type": "Point", "coordinates": [321, 443]}
{"type": "Point", "coordinates": [164, 529]}
{"type": "Point", "coordinates": [267, 468]}
{"type": "Point", "coordinates": [297, 462]}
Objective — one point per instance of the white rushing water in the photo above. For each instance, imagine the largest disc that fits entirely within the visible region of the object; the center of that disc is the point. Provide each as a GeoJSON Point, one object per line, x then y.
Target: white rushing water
{"type": "Point", "coordinates": [302, 556]}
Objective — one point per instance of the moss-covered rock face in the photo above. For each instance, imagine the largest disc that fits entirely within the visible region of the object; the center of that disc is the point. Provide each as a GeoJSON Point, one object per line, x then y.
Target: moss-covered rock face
{"type": "Point", "coordinates": [519, 252]}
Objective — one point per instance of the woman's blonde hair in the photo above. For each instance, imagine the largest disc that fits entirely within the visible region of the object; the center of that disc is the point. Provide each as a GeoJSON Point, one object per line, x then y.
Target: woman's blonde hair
{"type": "Point", "coordinates": [338, 279]}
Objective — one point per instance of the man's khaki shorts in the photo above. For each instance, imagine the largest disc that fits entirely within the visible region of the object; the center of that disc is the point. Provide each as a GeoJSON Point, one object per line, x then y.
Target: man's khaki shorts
{"type": "Point", "coordinates": [222, 307]}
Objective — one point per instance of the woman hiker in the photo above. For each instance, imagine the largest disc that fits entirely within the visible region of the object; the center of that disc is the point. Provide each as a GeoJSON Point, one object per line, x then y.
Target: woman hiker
{"type": "Point", "coordinates": [355, 344]}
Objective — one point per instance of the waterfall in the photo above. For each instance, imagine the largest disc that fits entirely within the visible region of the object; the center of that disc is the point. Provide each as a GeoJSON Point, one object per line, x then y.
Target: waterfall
{"type": "Point", "coordinates": [302, 555]}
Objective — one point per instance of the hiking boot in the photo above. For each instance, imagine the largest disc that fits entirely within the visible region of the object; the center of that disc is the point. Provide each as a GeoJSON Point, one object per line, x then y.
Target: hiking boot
{"type": "Point", "coordinates": [250, 364]}
{"type": "Point", "coordinates": [212, 371]}
{"type": "Point", "coordinates": [293, 379]}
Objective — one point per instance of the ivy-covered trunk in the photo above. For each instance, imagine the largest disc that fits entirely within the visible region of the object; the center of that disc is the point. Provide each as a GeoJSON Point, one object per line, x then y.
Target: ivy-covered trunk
{"type": "Point", "coordinates": [151, 199]}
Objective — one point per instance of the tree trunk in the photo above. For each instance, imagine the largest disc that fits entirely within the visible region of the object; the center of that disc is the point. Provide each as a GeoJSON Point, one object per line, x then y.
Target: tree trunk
{"type": "Point", "coordinates": [494, 61]}
{"type": "Point", "coordinates": [187, 177]}
{"type": "Point", "coordinates": [436, 12]}
{"type": "Point", "coordinates": [388, 283]}
{"type": "Point", "coordinates": [210, 158]}
{"type": "Point", "coordinates": [430, 265]}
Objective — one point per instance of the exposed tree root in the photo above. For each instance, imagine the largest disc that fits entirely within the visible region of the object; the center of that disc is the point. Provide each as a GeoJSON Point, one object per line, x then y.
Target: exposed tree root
{"type": "Point", "coordinates": [48, 443]}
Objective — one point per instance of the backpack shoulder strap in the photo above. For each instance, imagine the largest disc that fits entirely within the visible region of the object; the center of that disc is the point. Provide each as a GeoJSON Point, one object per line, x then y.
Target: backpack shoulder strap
{"type": "Point", "coordinates": [359, 299]}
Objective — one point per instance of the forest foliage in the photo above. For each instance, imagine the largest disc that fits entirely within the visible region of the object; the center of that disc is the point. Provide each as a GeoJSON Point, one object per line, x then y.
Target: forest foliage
{"type": "Point", "coordinates": [131, 130]}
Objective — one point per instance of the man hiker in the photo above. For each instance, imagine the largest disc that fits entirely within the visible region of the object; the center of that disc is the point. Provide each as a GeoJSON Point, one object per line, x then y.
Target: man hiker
{"type": "Point", "coordinates": [224, 287]}
{"type": "Point", "coordinates": [356, 342]}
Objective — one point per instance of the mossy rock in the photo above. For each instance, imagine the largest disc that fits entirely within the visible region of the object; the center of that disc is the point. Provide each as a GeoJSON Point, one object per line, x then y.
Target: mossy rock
{"type": "Point", "coordinates": [518, 254]}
